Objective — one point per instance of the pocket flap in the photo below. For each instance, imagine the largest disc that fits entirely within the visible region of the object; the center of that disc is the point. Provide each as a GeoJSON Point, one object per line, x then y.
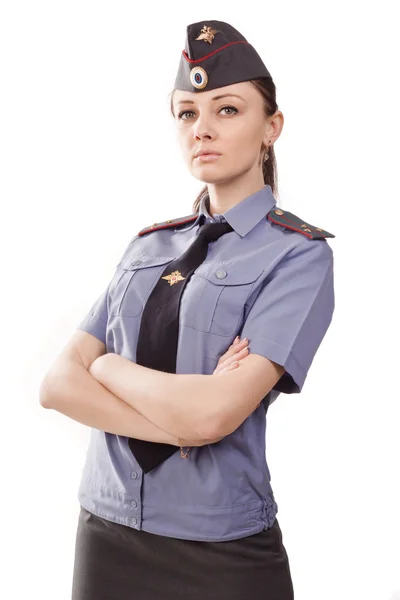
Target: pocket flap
{"type": "Point", "coordinates": [235, 273]}
{"type": "Point", "coordinates": [142, 261]}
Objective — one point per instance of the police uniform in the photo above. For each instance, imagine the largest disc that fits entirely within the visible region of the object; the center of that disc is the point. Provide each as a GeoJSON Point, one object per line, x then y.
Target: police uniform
{"type": "Point", "coordinates": [158, 521]}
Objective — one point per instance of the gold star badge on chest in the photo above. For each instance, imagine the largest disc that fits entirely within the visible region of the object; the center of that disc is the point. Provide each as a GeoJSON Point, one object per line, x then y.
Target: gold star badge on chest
{"type": "Point", "coordinates": [207, 34]}
{"type": "Point", "coordinates": [174, 277]}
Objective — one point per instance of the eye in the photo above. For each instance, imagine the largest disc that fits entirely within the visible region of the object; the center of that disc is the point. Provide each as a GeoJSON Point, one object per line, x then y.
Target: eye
{"type": "Point", "coordinates": [235, 109]}
{"type": "Point", "coordinates": [184, 112]}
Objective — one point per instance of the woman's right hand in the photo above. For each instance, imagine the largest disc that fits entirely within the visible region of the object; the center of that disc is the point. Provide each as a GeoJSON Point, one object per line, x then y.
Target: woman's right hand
{"type": "Point", "coordinates": [237, 351]}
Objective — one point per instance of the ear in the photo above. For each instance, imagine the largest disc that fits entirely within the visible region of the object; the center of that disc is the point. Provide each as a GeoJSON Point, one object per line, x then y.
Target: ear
{"type": "Point", "coordinates": [266, 138]}
{"type": "Point", "coordinates": [273, 127]}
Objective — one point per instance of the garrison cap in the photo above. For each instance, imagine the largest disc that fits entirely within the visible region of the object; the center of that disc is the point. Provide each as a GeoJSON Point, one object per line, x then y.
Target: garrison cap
{"type": "Point", "coordinates": [216, 54]}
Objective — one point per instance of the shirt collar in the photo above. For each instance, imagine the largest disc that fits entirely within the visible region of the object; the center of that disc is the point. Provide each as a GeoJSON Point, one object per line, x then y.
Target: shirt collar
{"type": "Point", "coordinates": [242, 217]}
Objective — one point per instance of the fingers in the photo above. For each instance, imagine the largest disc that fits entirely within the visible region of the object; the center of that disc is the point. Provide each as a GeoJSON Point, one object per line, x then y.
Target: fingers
{"type": "Point", "coordinates": [230, 367]}
{"type": "Point", "coordinates": [233, 360]}
{"type": "Point", "coordinates": [234, 348]}
{"type": "Point", "coordinates": [235, 353]}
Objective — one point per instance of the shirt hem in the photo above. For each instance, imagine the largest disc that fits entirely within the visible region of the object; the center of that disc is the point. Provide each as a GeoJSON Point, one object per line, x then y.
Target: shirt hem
{"type": "Point", "coordinates": [196, 525]}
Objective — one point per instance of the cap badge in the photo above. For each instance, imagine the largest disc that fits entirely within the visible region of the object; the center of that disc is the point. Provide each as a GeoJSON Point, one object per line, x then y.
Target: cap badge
{"type": "Point", "coordinates": [198, 77]}
{"type": "Point", "coordinates": [207, 34]}
{"type": "Point", "coordinates": [174, 277]}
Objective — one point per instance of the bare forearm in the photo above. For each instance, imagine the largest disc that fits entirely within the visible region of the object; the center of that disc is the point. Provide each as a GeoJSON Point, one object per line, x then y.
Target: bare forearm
{"type": "Point", "coordinates": [183, 404]}
{"type": "Point", "coordinates": [73, 392]}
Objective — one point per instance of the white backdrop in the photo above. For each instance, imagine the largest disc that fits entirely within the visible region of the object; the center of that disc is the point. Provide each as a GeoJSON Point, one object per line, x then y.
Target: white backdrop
{"type": "Point", "coordinates": [89, 157]}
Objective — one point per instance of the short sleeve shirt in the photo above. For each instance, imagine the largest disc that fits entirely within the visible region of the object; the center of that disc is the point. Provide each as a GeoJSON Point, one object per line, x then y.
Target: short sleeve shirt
{"type": "Point", "coordinates": [277, 290]}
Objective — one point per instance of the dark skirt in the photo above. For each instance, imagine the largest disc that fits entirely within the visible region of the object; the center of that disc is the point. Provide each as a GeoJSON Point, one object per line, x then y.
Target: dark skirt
{"type": "Point", "coordinates": [117, 562]}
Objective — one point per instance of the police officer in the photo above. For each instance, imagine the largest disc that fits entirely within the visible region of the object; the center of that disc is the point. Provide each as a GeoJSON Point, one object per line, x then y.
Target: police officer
{"type": "Point", "coordinates": [162, 520]}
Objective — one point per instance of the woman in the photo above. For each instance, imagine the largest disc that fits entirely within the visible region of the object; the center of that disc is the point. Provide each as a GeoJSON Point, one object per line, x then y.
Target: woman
{"type": "Point", "coordinates": [160, 363]}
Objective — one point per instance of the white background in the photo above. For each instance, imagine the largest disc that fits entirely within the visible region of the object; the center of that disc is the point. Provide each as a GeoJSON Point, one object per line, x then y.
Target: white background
{"type": "Point", "coordinates": [89, 157]}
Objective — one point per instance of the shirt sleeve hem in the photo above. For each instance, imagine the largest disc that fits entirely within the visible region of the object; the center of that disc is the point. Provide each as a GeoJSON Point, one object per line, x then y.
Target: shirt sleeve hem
{"type": "Point", "coordinates": [95, 326]}
{"type": "Point", "coordinates": [285, 358]}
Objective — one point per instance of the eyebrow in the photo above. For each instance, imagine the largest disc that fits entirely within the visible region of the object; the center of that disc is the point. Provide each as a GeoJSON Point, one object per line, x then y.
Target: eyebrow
{"type": "Point", "coordinates": [215, 98]}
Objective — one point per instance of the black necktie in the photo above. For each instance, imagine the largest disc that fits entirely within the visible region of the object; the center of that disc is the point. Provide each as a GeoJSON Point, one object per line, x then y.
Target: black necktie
{"type": "Point", "coordinates": [159, 327]}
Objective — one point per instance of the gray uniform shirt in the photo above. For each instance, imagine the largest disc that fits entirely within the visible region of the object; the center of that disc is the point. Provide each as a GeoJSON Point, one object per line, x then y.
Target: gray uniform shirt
{"type": "Point", "coordinates": [260, 281]}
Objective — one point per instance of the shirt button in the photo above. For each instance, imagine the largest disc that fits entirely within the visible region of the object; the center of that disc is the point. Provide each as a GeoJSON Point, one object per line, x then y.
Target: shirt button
{"type": "Point", "coordinates": [134, 520]}
{"type": "Point", "coordinates": [134, 503]}
{"type": "Point", "coordinates": [136, 262]}
{"type": "Point", "coordinates": [134, 475]}
{"type": "Point", "coordinates": [221, 274]}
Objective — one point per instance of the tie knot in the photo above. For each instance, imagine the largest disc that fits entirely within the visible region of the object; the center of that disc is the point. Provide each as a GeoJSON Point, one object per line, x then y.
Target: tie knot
{"type": "Point", "coordinates": [212, 231]}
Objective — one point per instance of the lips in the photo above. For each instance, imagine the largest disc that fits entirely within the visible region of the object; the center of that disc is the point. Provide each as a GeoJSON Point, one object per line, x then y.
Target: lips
{"type": "Point", "coordinates": [204, 152]}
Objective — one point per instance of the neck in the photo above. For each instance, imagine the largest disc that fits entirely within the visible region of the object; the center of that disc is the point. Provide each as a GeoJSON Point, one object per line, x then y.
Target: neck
{"type": "Point", "coordinates": [226, 194]}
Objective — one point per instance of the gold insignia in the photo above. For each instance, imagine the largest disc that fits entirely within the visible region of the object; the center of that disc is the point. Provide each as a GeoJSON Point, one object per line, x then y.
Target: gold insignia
{"type": "Point", "coordinates": [207, 34]}
{"type": "Point", "coordinates": [293, 222]}
{"type": "Point", "coordinates": [174, 277]}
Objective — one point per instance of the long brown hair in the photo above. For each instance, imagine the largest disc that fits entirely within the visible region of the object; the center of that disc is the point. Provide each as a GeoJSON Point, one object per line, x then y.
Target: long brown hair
{"type": "Point", "coordinates": [266, 87]}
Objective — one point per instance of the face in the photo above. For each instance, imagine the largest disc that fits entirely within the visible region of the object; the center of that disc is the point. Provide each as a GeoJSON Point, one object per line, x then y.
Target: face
{"type": "Point", "coordinates": [234, 126]}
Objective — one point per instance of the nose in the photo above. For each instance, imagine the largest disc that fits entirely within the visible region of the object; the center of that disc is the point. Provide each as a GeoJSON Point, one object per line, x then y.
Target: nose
{"type": "Point", "coordinates": [202, 129]}
{"type": "Point", "coordinates": [199, 137]}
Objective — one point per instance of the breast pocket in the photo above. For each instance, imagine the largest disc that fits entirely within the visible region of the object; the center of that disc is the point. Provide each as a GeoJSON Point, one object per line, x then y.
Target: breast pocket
{"type": "Point", "coordinates": [133, 282]}
{"type": "Point", "coordinates": [220, 305]}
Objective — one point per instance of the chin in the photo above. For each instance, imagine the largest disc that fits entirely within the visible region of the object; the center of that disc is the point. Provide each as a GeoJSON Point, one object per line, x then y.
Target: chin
{"type": "Point", "coordinates": [208, 179]}
{"type": "Point", "coordinates": [213, 176]}
{"type": "Point", "coordinates": [209, 173]}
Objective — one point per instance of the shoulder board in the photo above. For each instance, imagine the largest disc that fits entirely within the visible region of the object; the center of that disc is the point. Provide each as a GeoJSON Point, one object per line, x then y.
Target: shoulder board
{"type": "Point", "coordinates": [169, 223]}
{"type": "Point", "coordinates": [290, 221]}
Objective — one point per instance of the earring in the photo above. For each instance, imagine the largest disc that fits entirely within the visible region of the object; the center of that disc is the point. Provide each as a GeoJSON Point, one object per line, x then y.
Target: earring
{"type": "Point", "coordinates": [266, 155]}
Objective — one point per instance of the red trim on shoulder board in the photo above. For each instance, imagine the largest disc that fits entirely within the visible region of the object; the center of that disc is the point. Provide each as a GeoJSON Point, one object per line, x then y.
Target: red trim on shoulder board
{"type": "Point", "coordinates": [167, 225]}
{"type": "Point", "coordinates": [289, 227]}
